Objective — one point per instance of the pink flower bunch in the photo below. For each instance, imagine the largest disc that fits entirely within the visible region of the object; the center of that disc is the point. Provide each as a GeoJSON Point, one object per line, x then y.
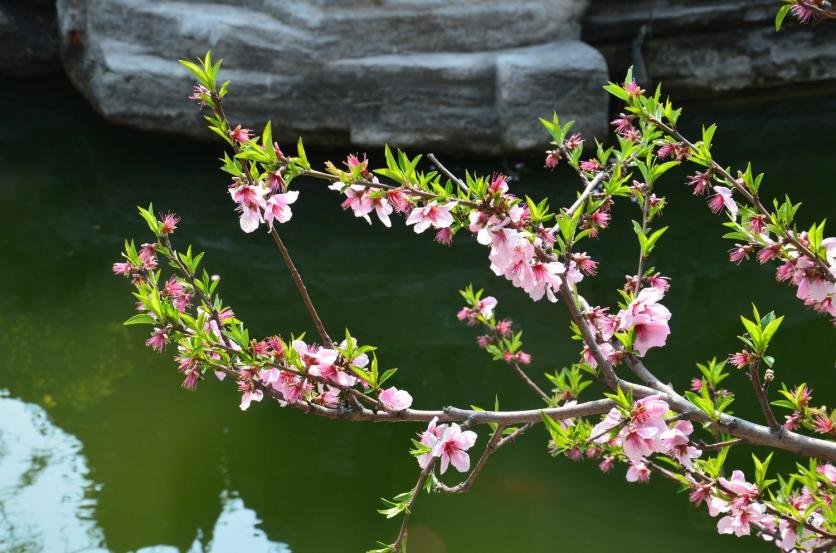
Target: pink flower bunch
{"type": "Point", "coordinates": [514, 255]}
{"type": "Point", "coordinates": [483, 308]}
{"type": "Point", "coordinates": [700, 182]}
{"type": "Point", "coordinates": [448, 443]}
{"type": "Point", "coordinates": [741, 509]}
{"type": "Point", "coordinates": [431, 215]}
{"type": "Point", "coordinates": [722, 198]}
{"type": "Point", "coordinates": [326, 363]}
{"type": "Point", "coordinates": [811, 286]}
{"type": "Point", "coordinates": [648, 318]}
{"type": "Point", "coordinates": [363, 200]}
{"type": "Point", "coordinates": [258, 204]}
{"type": "Point", "coordinates": [646, 432]}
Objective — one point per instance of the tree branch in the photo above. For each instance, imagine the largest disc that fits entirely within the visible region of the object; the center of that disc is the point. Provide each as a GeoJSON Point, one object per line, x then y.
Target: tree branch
{"type": "Point", "coordinates": [300, 286]}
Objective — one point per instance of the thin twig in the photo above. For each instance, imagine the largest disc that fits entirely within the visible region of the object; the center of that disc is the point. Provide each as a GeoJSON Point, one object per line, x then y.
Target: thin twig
{"type": "Point", "coordinates": [300, 286]}
{"type": "Point", "coordinates": [720, 445]}
{"type": "Point", "coordinates": [531, 384]}
{"type": "Point", "coordinates": [465, 485]}
{"type": "Point", "coordinates": [400, 541]}
{"type": "Point", "coordinates": [459, 182]}
{"type": "Point", "coordinates": [763, 401]}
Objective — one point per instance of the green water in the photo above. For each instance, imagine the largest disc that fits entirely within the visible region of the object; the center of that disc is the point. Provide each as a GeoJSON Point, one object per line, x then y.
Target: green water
{"type": "Point", "coordinates": [104, 451]}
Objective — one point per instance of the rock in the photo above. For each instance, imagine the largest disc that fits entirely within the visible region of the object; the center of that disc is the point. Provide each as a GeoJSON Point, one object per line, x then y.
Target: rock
{"type": "Point", "coordinates": [710, 47]}
{"type": "Point", "coordinates": [467, 75]}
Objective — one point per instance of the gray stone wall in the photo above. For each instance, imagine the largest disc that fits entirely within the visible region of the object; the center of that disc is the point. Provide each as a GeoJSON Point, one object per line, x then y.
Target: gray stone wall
{"type": "Point", "coordinates": [466, 75]}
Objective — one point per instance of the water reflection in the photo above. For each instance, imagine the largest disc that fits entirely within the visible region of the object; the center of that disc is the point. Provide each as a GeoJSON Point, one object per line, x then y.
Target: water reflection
{"type": "Point", "coordinates": [48, 500]}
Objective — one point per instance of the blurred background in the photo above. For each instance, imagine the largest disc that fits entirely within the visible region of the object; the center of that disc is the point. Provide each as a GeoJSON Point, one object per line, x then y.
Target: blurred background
{"type": "Point", "coordinates": [101, 450]}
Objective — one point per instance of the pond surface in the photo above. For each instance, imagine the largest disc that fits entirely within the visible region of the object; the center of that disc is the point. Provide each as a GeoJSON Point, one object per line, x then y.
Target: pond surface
{"type": "Point", "coordinates": [100, 449]}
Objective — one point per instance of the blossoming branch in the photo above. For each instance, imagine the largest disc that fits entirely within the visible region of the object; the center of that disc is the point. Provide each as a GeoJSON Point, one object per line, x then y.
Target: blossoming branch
{"type": "Point", "coordinates": [647, 425]}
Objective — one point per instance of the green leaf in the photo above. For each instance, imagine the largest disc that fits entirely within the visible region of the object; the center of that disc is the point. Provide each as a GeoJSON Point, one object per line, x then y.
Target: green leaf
{"type": "Point", "coordinates": [779, 17]}
{"type": "Point", "coordinates": [140, 319]}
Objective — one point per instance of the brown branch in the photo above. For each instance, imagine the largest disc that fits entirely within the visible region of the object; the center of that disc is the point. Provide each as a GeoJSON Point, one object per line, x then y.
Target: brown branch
{"type": "Point", "coordinates": [459, 182]}
{"type": "Point", "coordinates": [400, 541]}
{"type": "Point", "coordinates": [763, 401]}
{"type": "Point", "coordinates": [531, 384]}
{"type": "Point", "coordinates": [465, 485]}
{"type": "Point", "coordinates": [300, 286]}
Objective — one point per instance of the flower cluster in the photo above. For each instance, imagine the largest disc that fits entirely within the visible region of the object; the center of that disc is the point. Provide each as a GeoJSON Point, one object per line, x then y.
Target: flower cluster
{"type": "Point", "coordinates": [448, 443]}
{"type": "Point", "coordinates": [645, 431]}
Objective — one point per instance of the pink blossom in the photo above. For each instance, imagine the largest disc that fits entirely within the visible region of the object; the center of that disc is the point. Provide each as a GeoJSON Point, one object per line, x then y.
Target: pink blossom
{"type": "Point", "coordinates": [573, 142]}
{"type": "Point", "coordinates": [622, 123]}
{"type": "Point", "coordinates": [677, 444]}
{"type": "Point", "coordinates": [742, 358]}
{"type": "Point", "coordinates": [357, 199]}
{"type": "Point", "coordinates": [590, 165]}
{"type": "Point", "coordinates": [552, 158]}
{"type": "Point", "coordinates": [792, 421]}
{"type": "Point", "coordinates": [648, 318]}
{"type": "Point", "coordinates": [542, 279]}
{"type": "Point", "coordinates": [169, 224]}
{"type": "Point", "coordinates": [700, 182]}
{"type": "Point", "coordinates": [190, 379]}
{"type": "Point", "coordinates": [638, 472]}
{"type": "Point", "coordinates": [240, 135]}
{"type": "Point", "coordinates": [823, 424]}
{"type": "Point", "coordinates": [199, 94]}
{"type": "Point", "coordinates": [738, 521]}
{"type": "Point", "coordinates": [740, 252]}
{"type": "Point", "coordinates": [249, 396]}
{"type": "Point", "coordinates": [757, 224]}
{"type": "Point", "coordinates": [661, 283]}
{"type": "Point", "coordinates": [398, 200]}
{"type": "Point", "coordinates": [607, 464]}
{"type": "Point", "coordinates": [437, 216]}
{"type": "Point", "coordinates": [600, 432]}
{"type": "Point", "coordinates": [430, 438]}
{"type": "Point", "coordinates": [451, 447]}
{"type": "Point", "coordinates": [499, 184]}
{"type": "Point", "coordinates": [123, 269]}
{"type": "Point", "coordinates": [723, 198]}
{"type": "Point", "coordinates": [292, 386]}
{"type": "Point", "coordinates": [250, 200]}
{"type": "Point", "coordinates": [829, 471]}
{"type": "Point", "coordinates": [158, 339]}
{"type": "Point", "coordinates": [612, 355]}
{"type": "Point", "coordinates": [802, 12]}
{"type": "Point", "coordinates": [148, 256]}
{"type": "Point", "coordinates": [275, 182]}
{"type": "Point", "coordinates": [696, 384]}
{"type": "Point", "coordinates": [382, 209]}
{"type": "Point", "coordinates": [738, 485]}
{"type": "Point", "coordinates": [769, 252]}
{"type": "Point", "coordinates": [444, 237]}
{"type": "Point", "coordinates": [585, 263]}
{"type": "Point", "coordinates": [699, 491]}
{"type": "Point", "coordinates": [503, 327]}
{"type": "Point", "coordinates": [325, 366]}
{"type": "Point", "coordinates": [395, 400]}
{"type": "Point", "coordinates": [633, 89]}
{"type": "Point", "coordinates": [278, 207]}
{"type": "Point", "coordinates": [269, 376]}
